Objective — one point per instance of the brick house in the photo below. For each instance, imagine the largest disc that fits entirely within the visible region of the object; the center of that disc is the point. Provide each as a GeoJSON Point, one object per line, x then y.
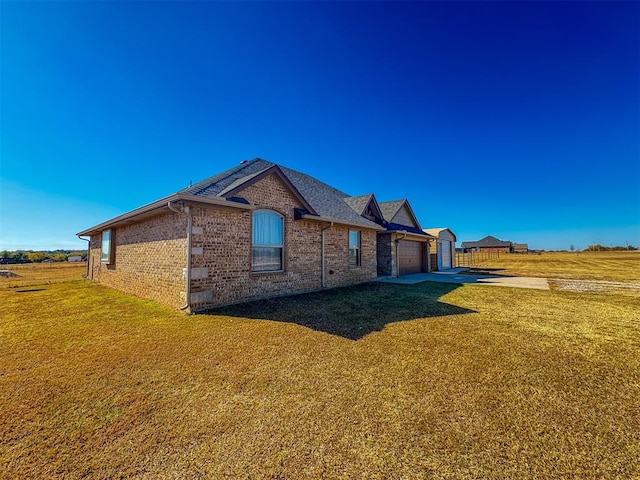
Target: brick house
{"type": "Point", "coordinates": [520, 248]}
{"type": "Point", "coordinates": [409, 252]}
{"type": "Point", "coordinates": [403, 247]}
{"type": "Point", "coordinates": [255, 231]}
{"type": "Point", "coordinates": [488, 244]}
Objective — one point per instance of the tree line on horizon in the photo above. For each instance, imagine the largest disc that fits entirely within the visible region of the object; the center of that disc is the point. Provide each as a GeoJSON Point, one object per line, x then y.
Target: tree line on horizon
{"type": "Point", "coordinates": [36, 256]}
{"type": "Point", "coordinates": [601, 248]}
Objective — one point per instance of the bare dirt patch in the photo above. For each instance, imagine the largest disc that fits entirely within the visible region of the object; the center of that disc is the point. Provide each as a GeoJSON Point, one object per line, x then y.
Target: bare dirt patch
{"type": "Point", "coordinates": [8, 274]}
{"type": "Point", "coordinates": [595, 286]}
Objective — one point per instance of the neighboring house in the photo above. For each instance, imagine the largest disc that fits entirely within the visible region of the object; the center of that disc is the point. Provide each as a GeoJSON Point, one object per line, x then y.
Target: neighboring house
{"type": "Point", "coordinates": [74, 258]}
{"type": "Point", "coordinates": [520, 248]}
{"type": "Point", "coordinates": [255, 231]}
{"type": "Point", "coordinates": [488, 244]}
{"type": "Point", "coordinates": [443, 253]}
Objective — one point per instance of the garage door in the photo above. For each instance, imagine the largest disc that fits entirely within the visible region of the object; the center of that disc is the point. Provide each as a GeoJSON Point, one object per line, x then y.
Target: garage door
{"type": "Point", "coordinates": [446, 255]}
{"type": "Point", "coordinates": [410, 256]}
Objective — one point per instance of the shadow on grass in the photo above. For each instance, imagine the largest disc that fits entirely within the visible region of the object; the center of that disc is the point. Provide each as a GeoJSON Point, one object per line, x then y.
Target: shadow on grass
{"type": "Point", "coordinates": [352, 312]}
{"type": "Point", "coordinates": [484, 271]}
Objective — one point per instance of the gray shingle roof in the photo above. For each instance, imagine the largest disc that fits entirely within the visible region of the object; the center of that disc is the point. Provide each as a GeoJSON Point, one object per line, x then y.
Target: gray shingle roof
{"type": "Point", "coordinates": [359, 203]}
{"type": "Point", "coordinates": [212, 186]}
{"type": "Point", "coordinates": [324, 199]}
{"type": "Point", "coordinates": [487, 241]}
{"type": "Point", "coordinates": [389, 209]}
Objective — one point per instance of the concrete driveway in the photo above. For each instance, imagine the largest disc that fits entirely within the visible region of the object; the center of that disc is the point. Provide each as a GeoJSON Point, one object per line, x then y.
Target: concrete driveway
{"type": "Point", "coordinates": [456, 276]}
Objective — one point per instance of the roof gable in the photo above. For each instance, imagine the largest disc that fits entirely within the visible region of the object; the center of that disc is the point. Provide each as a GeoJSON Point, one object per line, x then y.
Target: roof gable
{"type": "Point", "coordinates": [389, 209]}
{"type": "Point", "coordinates": [244, 182]}
{"type": "Point", "coordinates": [399, 212]}
{"type": "Point", "coordinates": [359, 203]}
{"type": "Point", "coordinates": [404, 216]}
{"type": "Point", "coordinates": [366, 206]}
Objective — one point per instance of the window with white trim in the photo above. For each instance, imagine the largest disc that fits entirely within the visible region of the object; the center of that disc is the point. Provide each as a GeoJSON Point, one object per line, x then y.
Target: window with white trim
{"type": "Point", "coordinates": [106, 253]}
{"type": "Point", "coordinates": [354, 247]}
{"type": "Point", "coordinates": [267, 246]}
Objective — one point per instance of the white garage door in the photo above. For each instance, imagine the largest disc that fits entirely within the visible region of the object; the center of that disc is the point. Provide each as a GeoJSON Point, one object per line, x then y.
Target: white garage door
{"type": "Point", "coordinates": [445, 252]}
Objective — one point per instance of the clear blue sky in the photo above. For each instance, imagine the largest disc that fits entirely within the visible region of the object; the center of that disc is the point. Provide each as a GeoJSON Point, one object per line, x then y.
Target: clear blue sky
{"type": "Point", "coordinates": [513, 119]}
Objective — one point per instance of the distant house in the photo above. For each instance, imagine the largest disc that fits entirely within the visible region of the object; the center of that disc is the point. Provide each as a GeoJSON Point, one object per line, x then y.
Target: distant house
{"type": "Point", "coordinates": [255, 231]}
{"type": "Point", "coordinates": [443, 252]}
{"type": "Point", "coordinates": [488, 244]}
{"type": "Point", "coordinates": [75, 258]}
{"type": "Point", "coordinates": [520, 248]}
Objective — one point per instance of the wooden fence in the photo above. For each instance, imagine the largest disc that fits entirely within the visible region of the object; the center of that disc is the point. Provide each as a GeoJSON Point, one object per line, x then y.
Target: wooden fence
{"type": "Point", "coordinates": [472, 259]}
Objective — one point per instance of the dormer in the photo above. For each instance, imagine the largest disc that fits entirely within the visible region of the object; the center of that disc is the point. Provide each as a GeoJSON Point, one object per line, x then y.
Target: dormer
{"type": "Point", "coordinates": [366, 206]}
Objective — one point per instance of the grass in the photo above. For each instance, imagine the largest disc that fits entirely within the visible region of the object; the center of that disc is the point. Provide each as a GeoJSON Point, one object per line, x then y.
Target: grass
{"type": "Point", "coordinates": [608, 266]}
{"type": "Point", "coordinates": [377, 381]}
{"type": "Point", "coordinates": [30, 274]}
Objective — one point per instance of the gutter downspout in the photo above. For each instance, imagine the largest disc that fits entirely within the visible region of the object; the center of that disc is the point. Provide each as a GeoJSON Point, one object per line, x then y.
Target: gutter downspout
{"type": "Point", "coordinates": [185, 210]}
{"type": "Point", "coordinates": [322, 275]}
{"type": "Point", "coordinates": [88, 240]}
{"type": "Point", "coordinates": [397, 241]}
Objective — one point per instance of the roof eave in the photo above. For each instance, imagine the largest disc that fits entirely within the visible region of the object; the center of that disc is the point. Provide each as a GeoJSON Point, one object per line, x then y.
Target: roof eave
{"type": "Point", "coordinates": [440, 230]}
{"type": "Point", "coordinates": [161, 206]}
{"type": "Point", "coordinates": [319, 218]}
{"type": "Point", "coordinates": [422, 237]}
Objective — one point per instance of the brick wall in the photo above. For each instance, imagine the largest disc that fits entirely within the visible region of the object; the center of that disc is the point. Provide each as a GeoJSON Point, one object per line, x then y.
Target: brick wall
{"type": "Point", "coordinates": [222, 247]}
{"type": "Point", "coordinates": [149, 258]}
{"type": "Point", "coordinates": [338, 270]}
{"type": "Point", "coordinates": [434, 259]}
{"type": "Point", "coordinates": [386, 255]}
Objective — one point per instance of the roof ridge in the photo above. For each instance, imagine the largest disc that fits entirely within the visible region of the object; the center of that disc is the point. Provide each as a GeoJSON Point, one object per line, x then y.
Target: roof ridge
{"type": "Point", "coordinates": [285, 169]}
{"type": "Point", "coordinates": [360, 196]}
{"type": "Point", "coordinates": [239, 181]}
{"type": "Point", "coordinates": [202, 185]}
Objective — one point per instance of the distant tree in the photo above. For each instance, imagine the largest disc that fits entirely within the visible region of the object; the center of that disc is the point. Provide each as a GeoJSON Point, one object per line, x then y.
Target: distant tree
{"type": "Point", "coordinates": [59, 257]}
{"type": "Point", "coordinates": [36, 256]}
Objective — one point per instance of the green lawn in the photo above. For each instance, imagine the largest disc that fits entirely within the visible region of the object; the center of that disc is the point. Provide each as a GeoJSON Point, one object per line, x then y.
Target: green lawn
{"type": "Point", "coordinates": [608, 266]}
{"type": "Point", "coordinates": [378, 381]}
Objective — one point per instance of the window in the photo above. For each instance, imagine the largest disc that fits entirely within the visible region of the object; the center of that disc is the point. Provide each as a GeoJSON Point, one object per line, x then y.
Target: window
{"type": "Point", "coordinates": [354, 247]}
{"type": "Point", "coordinates": [106, 254]}
{"type": "Point", "coordinates": [267, 242]}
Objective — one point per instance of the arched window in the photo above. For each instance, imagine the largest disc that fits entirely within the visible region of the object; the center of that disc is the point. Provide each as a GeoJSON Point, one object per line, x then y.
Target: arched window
{"type": "Point", "coordinates": [267, 243]}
